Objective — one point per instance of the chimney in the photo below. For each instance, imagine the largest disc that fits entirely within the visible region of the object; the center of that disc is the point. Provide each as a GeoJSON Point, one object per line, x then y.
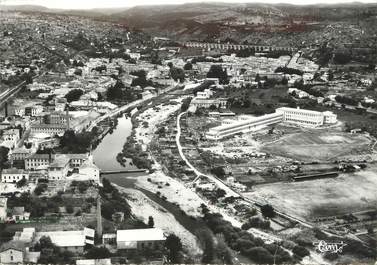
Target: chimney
{"type": "Point", "coordinates": [67, 116]}
{"type": "Point", "coordinates": [99, 217]}
{"type": "Point", "coordinates": [6, 109]}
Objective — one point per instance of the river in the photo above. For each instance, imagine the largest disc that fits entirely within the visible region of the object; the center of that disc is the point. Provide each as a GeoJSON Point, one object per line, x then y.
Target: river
{"type": "Point", "coordinates": [104, 156]}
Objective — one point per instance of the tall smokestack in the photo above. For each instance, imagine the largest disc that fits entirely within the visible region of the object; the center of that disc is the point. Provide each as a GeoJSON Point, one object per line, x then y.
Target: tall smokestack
{"type": "Point", "coordinates": [99, 217]}
{"type": "Point", "coordinates": [6, 109]}
{"type": "Point", "coordinates": [67, 115]}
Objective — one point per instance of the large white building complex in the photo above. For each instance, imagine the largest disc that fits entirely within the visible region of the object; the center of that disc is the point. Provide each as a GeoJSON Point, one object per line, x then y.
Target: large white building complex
{"type": "Point", "coordinates": [301, 117]}
{"type": "Point", "coordinates": [307, 118]}
{"type": "Point", "coordinates": [249, 125]}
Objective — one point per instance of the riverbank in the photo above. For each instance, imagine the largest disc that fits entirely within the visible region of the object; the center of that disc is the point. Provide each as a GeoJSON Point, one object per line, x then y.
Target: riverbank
{"type": "Point", "coordinates": [143, 207]}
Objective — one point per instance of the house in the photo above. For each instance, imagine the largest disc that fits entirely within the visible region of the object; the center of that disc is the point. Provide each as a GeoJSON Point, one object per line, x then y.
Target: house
{"type": "Point", "coordinates": [19, 214]}
{"type": "Point", "coordinates": [88, 171]}
{"type": "Point", "coordinates": [59, 167]}
{"type": "Point", "coordinates": [17, 252]}
{"type": "Point", "coordinates": [76, 160]}
{"type": "Point", "coordinates": [51, 129]}
{"type": "Point", "coordinates": [19, 154]}
{"type": "Point", "coordinates": [13, 175]}
{"type": "Point", "coordinates": [3, 208]}
{"type": "Point", "coordinates": [73, 241]}
{"type": "Point", "coordinates": [12, 136]}
{"type": "Point", "coordinates": [33, 110]}
{"type": "Point", "coordinates": [153, 238]}
{"type": "Point", "coordinates": [12, 252]}
{"type": "Point", "coordinates": [37, 161]}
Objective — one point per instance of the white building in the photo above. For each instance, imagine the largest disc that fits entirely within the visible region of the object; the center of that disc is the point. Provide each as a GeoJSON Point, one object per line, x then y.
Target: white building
{"type": "Point", "coordinates": [58, 169]}
{"type": "Point", "coordinates": [206, 103]}
{"type": "Point", "coordinates": [307, 118]}
{"type": "Point", "coordinates": [12, 252]}
{"type": "Point", "coordinates": [73, 241]}
{"type": "Point", "coordinates": [12, 136]}
{"type": "Point", "coordinates": [37, 161]}
{"type": "Point", "coordinates": [140, 238]}
{"type": "Point", "coordinates": [13, 175]}
{"type": "Point", "coordinates": [249, 125]}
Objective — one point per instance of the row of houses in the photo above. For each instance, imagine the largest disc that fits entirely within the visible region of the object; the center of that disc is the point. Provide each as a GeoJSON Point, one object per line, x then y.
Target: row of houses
{"type": "Point", "coordinates": [53, 167]}
{"type": "Point", "coordinates": [20, 248]}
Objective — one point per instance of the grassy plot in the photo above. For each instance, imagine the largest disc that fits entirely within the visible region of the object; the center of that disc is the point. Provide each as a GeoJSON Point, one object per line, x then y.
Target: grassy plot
{"type": "Point", "coordinates": [324, 197]}
{"type": "Point", "coordinates": [318, 145]}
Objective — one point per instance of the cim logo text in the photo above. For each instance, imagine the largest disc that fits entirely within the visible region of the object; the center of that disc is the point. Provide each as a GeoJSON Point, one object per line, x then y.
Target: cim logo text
{"type": "Point", "coordinates": [323, 247]}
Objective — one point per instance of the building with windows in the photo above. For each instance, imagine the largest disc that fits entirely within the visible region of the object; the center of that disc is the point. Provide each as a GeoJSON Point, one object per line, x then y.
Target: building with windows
{"type": "Point", "coordinates": [12, 252]}
{"type": "Point", "coordinates": [13, 175]}
{"type": "Point", "coordinates": [58, 168]}
{"type": "Point", "coordinates": [12, 136]}
{"type": "Point", "coordinates": [152, 238]}
{"type": "Point", "coordinates": [243, 126]}
{"type": "Point", "coordinates": [76, 160]}
{"type": "Point", "coordinates": [52, 129]}
{"type": "Point", "coordinates": [307, 118]}
{"type": "Point", "coordinates": [19, 154]}
{"type": "Point", "coordinates": [37, 161]}
{"type": "Point", "coordinates": [207, 102]}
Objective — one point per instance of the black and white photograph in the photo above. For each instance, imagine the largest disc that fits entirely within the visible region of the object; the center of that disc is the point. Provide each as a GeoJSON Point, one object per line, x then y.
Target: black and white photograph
{"type": "Point", "coordinates": [188, 132]}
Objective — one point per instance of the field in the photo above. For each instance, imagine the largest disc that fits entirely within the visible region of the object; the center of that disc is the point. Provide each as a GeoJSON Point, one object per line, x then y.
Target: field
{"type": "Point", "coordinates": [318, 145]}
{"type": "Point", "coordinates": [325, 197]}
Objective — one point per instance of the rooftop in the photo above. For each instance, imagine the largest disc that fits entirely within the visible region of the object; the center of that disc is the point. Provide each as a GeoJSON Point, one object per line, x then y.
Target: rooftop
{"type": "Point", "coordinates": [13, 244]}
{"type": "Point", "coordinates": [12, 171]}
{"type": "Point", "coordinates": [149, 234]}
{"type": "Point", "coordinates": [64, 238]}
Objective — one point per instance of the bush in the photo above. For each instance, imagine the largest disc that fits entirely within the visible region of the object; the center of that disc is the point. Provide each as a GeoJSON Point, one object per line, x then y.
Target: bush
{"type": "Point", "coordinates": [257, 223]}
{"type": "Point", "coordinates": [300, 251]}
{"type": "Point", "coordinates": [268, 211]}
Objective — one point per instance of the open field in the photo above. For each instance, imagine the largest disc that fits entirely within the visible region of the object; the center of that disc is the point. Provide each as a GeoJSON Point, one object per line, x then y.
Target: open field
{"type": "Point", "coordinates": [325, 197]}
{"type": "Point", "coordinates": [318, 145]}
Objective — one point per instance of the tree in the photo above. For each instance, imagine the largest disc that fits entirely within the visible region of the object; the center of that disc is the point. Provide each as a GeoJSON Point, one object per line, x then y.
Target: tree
{"type": "Point", "coordinates": [21, 183]}
{"type": "Point", "coordinates": [220, 193]}
{"type": "Point", "coordinates": [188, 66]}
{"type": "Point", "coordinates": [208, 246]}
{"type": "Point", "coordinates": [177, 74]}
{"type": "Point", "coordinates": [212, 107]}
{"type": "Point", "coordinates": [257, 78]}
{"type": "Point", "coordinates": [3, 156]}
{"type": "Point", "coordinates": [260, 255]}
{"type": "Point", "coordinates": [218, 171]}
{"type": "Point", "coordinates": [74, 95]}
{"type": "Point", "coordinates": [98, 253]}
{"type": "Point", "coordinates": [115, 91]}
{"type": "Point", "coordinates": [150, 222]}
{"type": "Point", "coordinates": [216, 71]}
{"type": "Point", "coordinates": [186, 104]}
{"type": "Point", "coordinates": [300, 251]}
{"type": "Point", "coordinates": [174, 246]}
{"type": "Point", "coordinates": [268, 211]}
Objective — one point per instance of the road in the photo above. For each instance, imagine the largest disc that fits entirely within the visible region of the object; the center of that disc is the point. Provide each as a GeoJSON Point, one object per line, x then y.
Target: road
{"type": "Point", "coordinates": [218, 182]}
{"type": "Point", "coordinates": [10, 92]}
{"type": "Point", "coordinates": [229, 191]}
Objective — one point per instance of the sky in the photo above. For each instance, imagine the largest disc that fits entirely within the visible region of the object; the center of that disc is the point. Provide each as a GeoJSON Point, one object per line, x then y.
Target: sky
{"type": "Point", "coordinates": [89, 4]}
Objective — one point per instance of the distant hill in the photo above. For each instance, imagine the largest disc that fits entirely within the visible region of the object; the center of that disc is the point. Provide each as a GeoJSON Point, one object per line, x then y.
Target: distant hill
{"type": "Point", "coordinates": [240, 23]}
{"type": "Point", "coordinates": [24, 8]}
